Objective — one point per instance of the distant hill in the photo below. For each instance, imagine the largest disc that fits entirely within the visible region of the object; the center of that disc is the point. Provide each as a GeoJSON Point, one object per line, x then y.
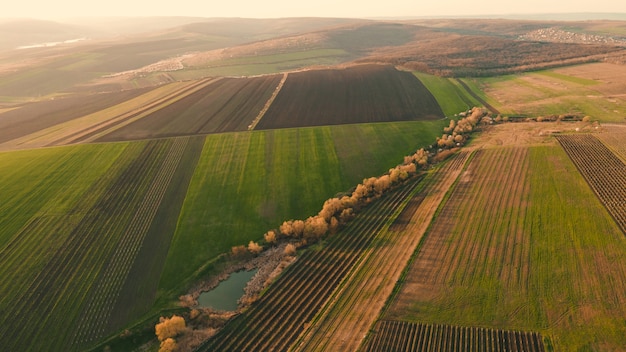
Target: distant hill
{"type": "Point", "coordinates": [22, 32]}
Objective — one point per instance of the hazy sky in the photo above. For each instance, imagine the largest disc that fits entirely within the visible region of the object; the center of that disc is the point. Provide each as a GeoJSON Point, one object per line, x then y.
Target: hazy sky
{"type": "Point", "coordinates": [57, 9]}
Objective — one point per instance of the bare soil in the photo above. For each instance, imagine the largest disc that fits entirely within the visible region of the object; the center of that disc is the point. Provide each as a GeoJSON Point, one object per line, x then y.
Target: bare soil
{"type": "Point", "coordinates": [356, 94]}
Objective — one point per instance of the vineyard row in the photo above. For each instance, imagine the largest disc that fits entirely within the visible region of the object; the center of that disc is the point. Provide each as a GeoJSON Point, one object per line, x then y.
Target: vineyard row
{"type": "Point", "coordinates": [603, 170]}
{"type": "Point", "coordinates": [276, 320]}
{"type": "Point", "coordinates": [406, 336]}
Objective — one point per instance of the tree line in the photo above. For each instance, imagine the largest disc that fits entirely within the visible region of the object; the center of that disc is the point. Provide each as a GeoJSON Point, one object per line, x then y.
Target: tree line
{"type": "Point", "coordinates": [336, 212]}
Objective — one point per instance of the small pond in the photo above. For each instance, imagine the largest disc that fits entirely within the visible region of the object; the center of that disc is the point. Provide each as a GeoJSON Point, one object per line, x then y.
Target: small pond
{"type": "Point", "coordinates": [227, 293]}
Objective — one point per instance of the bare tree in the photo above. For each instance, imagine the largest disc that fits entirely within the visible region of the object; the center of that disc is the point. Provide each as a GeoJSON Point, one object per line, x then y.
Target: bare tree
{"type": "Point", "coordinates": [168, 345]}
{"type": "Point", "coordinates": [290, 249]}
{"type": "Point", "coordinates": [254, 248]}
{"type": "Point", "coordinates": [169, 327]}
{"type": "Point", "coordinates": [286, 229]}
{"type": "Point", "coordinates": [239, 251]}
{"type": "Point", "coordinates": [315, 227]}
{"type": "Point", "coordinates": [270, 236]}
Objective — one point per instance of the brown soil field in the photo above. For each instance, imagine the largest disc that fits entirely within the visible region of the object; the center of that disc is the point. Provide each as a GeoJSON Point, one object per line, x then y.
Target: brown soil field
{"type": "Point", "coordinates": [89, 127]}
{"type": "Point", "coordinates": [357, 94]}
{"type": "Point", "coordinates": [612, 77]}
{"type": "Point", "coordinates": [32, 117]}
{"type": "Point", "coordinates": [228, 105]}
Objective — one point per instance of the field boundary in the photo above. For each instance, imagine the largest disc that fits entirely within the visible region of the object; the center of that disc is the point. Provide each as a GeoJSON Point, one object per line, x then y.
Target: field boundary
{"type": "Point", "coordinates": [269, 102]}
{"type": "Point", "coordinates": [475, 96]}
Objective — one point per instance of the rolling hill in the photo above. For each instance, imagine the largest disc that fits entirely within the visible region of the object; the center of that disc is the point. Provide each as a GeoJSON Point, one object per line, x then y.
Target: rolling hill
{"type": "Point", "coordinates": [130, 166]}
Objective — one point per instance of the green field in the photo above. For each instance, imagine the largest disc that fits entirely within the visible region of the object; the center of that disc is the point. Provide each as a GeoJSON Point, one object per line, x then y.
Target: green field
{"type": "Point", "coordinates": [559, 91]}
{"type": "Point", "coordinates": [35, 181]}
{"type": "Point", "coordinates": [38, 217]}
{"type": "Point", "coordinates": [451, 97]}
{"type": "Point", "coordinates": [76, 219]}
{"type": "Point", "coordinates": [249, 182]}
{"type": "Point", "coordinates": [513, 249]}
{"type": "Point", "coordinates": [264, 64]}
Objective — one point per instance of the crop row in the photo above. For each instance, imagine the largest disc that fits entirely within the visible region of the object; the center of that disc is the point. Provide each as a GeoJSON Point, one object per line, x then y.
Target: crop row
{"type": "Point", "coordinates": [96, 314]}
{"type": "Point", "coordinates": [345, 321]}
{"type": "Point", "coordinates": [449, 251]}
{"type": "Point", "coordinates": [227, 105]}
{"type": "Point", "coordinates": [616, 141]}
{"type": "Point", "coordinates": [489, 257]}
{"type": "Point", "coordinates": [93, 131]}
{"type": "Point", "coordinates": [603, 170]}
{"type": "Point", "coordinates": [51, 299]}
{"type": "Point", "coordinates": [39, 291]}
{"type": "Point", "coordinates": [33, 117]}
{"type": "Point", "coordinates": [406, 336]}
{"type": "Point", "coordinates": [275, 321]}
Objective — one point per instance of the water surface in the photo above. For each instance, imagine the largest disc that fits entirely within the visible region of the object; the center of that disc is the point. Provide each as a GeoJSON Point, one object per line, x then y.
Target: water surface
{"type": "Point", "coordinates": [227, 293]}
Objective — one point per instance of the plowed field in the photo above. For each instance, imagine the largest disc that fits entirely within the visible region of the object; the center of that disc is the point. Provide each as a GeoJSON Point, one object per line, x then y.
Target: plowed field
{"type": "Point", "coordinates": [366, 93]}
{"type": "Point", "coordinates": [227, 105]}
{"type": "Point", "coordinates": [32, 117]}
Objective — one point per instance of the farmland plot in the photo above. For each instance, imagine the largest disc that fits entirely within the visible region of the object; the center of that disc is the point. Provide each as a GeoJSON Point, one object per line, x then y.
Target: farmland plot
{"type": "Point", "coordinates": [276, 320]}
{"type": "Point", "coordinates": [346, 319]}
{"type": "Point", "coordinates": [590, 89]}
{"type": "Point", "coordinates": [65, 268]}
{"type": "Point", "coordinates": [450, 95]}
{"type": "Point", "coordinates": [616, 141]}
{"type": "Point", "coordinates": [33, 117]}
{"type": "Point", "coordinates": [228, 105]}
{"type": "Point", "coordinates": [504, 255]}
{"type": "Point", "coordinates": [404, 336]}
{"type": "Point", "coordinates": [366, 93]}
{"type": "Point", "coordinates": [249, 182]}
{"type": "Point", "coordinates": [89, 127]}
{"type": "Point", "coordinates": [604, 171]}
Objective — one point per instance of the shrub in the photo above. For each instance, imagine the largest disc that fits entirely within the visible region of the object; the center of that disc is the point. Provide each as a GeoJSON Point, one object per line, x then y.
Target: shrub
{"type": "Point", "coordinates": [169, 327]}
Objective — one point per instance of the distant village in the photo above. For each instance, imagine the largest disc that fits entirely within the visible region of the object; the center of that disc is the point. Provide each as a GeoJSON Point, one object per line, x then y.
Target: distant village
{"type": "Point", "coordinates": [557, 35]}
